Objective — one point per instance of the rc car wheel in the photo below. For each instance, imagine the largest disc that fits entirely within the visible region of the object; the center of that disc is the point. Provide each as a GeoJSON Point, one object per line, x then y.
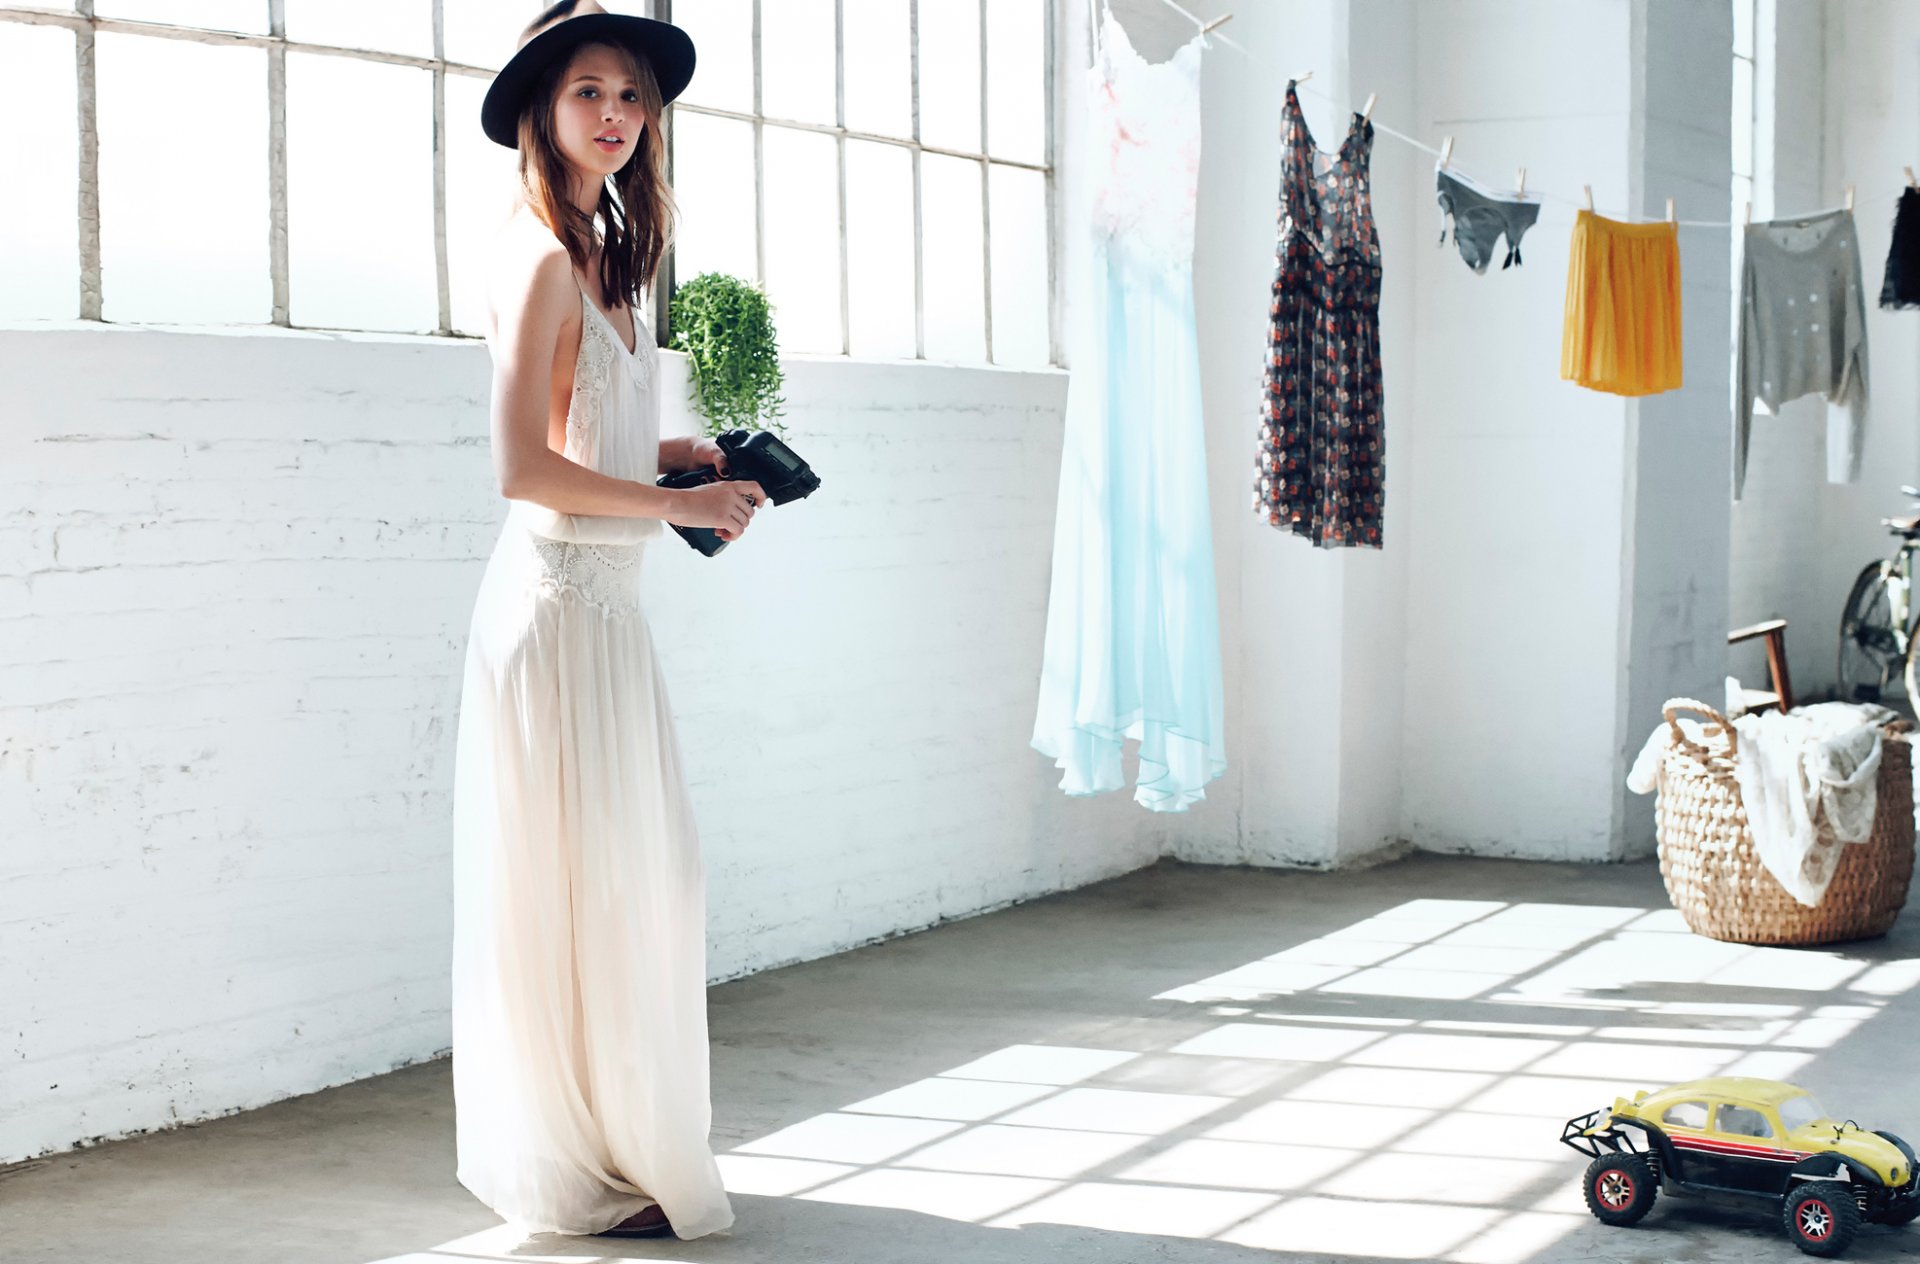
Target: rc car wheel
{"type": "Point", "coordinates": [1904, 1216]}
{"type": "Point", "coordinates": [1620, 1188]}
{"type": "Point", "coordinates": [1821, 1217]}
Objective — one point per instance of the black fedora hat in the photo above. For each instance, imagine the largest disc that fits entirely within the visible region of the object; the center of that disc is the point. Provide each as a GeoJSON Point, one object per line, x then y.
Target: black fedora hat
{"type": "Point", "coordinates": [662, 45]}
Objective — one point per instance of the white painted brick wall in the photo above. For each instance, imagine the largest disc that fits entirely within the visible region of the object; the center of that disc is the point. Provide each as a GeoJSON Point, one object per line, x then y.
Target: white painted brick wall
{"type": "Point", "coordinates": [1677, 599]}
{"type": "Point", "coordinates": [236, 572]}
{"type": "Point", "coordinates": [1871, 130]}
{"type": "Point", "coordinates": [1780, 565]}
{"type": "Point", "coordinates": [1846, 111]}
{"type": "Point", "coordinates": [1514, 663]}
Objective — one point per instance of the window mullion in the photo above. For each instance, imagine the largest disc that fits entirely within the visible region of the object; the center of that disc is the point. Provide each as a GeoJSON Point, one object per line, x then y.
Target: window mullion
{"type": "Point", "coordinates": [759, 159]}
{"type": "Point", "coordinates": [919, 216]}
{"type": "Point", "coordinates": [666, 280]}
{"type": "Point", "coordinates": [1052, 197]}
{"type": "Point", "coordinates": [840, 147]}
{"type": "Point", "coordinates": [828, 129]}
{"type": "Point", "coordinates": [277, 161]}
{"type": "Point", "coordinates": [986, 195]}
{"type": "Point", "coordinates": [83, 36]}
{"type": "Point", "coordinates": [442, 269]}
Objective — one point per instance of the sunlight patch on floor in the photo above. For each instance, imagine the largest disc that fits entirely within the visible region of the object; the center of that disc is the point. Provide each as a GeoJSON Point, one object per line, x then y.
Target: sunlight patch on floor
{"type": "Point", "coordinates": [1395, 1088]}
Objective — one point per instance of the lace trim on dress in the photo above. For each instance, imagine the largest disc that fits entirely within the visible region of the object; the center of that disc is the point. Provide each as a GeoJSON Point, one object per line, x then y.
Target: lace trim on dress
{"type": "Point", "coordinates": [591, 370]}
{"type": "Point", "coordinates": [605, 576]}
{"type": "Point", "coordinates": [644, 355]}
{"type": "Point", "coordinates": [1146, 205]}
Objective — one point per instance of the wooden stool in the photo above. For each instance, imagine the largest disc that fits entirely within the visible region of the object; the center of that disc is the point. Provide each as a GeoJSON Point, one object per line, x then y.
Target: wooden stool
{"type": "Point", "coordinates": [1781, 696]}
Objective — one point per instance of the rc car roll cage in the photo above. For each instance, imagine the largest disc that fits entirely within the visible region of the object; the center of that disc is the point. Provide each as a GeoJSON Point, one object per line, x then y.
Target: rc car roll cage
{"type": "Point", "coordinates": [1585, 1135]}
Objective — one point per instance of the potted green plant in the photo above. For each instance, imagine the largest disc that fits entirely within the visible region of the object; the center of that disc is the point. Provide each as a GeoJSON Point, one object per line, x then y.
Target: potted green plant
{"type": "Point", "coordinates": [725, 327]}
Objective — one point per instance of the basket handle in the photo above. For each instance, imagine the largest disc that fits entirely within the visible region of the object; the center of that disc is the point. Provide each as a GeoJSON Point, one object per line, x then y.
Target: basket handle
{"type": "Point", "coordinates": [1676, 705]}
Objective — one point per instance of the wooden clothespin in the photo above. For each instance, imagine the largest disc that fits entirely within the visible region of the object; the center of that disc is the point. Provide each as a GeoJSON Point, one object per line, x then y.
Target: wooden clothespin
{"type": "Point", "coordinates": [1669, 210]}
{"type": "Point", "coordinates": [1849, 197]}
{"type": "Point", "coordinates": [1446, 151]}
{"type": "Point", "coordinates": [1911, 182]}
{"type": "Point", "coordinates": [1222, 20]}
{"type": "Point", "coordinates": [1589, 189]}
{"type": "Point", "coordinates": [1366, 111]}
{"type": "Point", "coordinates": [1520, 182]}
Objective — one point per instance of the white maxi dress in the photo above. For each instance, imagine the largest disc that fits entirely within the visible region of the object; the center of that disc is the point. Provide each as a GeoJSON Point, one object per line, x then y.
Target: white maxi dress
{"type": "Point", "coordinates": [579, 960]}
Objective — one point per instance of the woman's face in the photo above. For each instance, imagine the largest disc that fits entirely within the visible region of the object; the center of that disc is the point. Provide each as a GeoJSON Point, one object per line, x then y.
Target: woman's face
{"type": "Point", "coordinates": [597, 117]}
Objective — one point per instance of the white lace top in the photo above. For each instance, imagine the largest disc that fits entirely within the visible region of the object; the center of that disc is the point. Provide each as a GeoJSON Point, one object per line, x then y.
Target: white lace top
{"type": "Point", "coordinates": [613, 428]}
{"type": "Point", "coordinates": [1144, 146]}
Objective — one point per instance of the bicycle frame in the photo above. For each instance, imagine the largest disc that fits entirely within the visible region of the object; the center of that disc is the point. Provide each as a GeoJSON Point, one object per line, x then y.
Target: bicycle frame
{"type": "Point", "coordinates": [1896, 572]}
{"type": "Point", "coordinates": [1870, 647]}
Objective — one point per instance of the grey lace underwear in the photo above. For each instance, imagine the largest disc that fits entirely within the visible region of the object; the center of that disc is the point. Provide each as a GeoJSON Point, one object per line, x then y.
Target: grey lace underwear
{"type": "Point", "coordinates": [1480, 219]}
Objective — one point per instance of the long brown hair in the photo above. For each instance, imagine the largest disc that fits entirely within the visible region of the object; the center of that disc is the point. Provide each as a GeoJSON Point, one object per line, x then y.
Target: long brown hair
{"type": "Point", "coordinates": [636, 207]}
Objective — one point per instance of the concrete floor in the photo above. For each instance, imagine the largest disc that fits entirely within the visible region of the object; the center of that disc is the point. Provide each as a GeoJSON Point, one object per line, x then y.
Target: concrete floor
{"type": "Point", "coordinates": [1185, 1064]}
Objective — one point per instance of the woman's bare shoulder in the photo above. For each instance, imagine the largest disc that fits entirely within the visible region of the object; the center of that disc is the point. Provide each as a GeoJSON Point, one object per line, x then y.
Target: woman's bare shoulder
{"type": "Point", "coordinates": [528, 267]}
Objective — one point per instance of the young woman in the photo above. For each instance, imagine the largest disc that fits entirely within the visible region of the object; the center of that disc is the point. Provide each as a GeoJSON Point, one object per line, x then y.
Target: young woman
{"type": "Point", "coordinates": [579, 968]}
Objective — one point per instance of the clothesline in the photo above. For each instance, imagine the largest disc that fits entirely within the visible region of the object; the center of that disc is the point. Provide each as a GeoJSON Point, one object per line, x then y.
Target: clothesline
{"type": "Point", "coordinates": [1204, 24]}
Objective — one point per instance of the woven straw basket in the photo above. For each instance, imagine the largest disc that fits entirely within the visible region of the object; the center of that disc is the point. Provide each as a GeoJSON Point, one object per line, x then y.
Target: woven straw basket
{"type": "Point", "coordinates": [1713, 870]}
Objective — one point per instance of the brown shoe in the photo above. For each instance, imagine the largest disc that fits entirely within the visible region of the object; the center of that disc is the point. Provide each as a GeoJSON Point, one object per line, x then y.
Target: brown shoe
{"type": "Point", "coordinates": [651, 1223]}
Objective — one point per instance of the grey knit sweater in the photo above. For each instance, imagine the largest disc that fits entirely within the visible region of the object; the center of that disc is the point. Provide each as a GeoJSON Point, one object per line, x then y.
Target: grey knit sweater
{"type": "Point", "coordinates": [1803, 331]}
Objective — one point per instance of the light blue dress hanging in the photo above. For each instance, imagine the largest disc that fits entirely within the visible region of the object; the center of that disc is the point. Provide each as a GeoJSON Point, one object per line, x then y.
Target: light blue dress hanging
{"type": "Point", "coordinates": [1133, 629]}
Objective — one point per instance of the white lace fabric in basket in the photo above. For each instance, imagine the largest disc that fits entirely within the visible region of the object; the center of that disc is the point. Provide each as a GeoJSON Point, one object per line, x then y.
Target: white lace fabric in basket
{"type": "Point", "coordinates": [1809, 782]}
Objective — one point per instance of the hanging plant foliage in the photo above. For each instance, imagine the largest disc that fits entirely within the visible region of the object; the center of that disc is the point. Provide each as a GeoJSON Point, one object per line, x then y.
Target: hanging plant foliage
{"type": "Point", "coordinates": [725, 327]}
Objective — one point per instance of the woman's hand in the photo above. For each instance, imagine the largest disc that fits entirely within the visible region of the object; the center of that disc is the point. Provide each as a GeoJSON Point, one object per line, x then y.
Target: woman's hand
{"type": "Point", "coordinates": [706, 452]}
{"type": "Point", "coordinates": [725, 507]}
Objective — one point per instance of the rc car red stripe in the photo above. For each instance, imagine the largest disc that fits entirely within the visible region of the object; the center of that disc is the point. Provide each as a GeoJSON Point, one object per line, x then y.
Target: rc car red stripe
{"type": "Point", "coordinates": [1738, 1150]}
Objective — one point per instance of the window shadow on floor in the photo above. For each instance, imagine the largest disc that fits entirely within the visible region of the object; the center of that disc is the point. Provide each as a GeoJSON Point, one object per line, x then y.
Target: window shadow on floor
{"type": "Point", "coordinates": [1185, 1064]}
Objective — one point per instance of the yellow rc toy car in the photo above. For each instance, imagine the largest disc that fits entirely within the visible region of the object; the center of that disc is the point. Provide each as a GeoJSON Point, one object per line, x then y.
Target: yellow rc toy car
{"type": "Point", "coordinates": [1757, 1138]}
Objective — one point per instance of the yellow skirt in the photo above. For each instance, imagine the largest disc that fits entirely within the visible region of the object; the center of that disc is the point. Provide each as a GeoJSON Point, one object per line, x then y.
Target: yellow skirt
{"type": "Point", "coordinates": [1622, 331]}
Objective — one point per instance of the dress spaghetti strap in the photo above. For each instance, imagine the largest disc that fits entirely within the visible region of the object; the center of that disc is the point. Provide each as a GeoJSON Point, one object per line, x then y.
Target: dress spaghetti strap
{"type": "Point", "coordinates": [1093, 25]}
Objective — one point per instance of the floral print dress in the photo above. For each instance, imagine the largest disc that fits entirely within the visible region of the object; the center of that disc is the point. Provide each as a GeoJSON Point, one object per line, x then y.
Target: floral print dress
{"type": "Point", "coordinates": [1320, 458]}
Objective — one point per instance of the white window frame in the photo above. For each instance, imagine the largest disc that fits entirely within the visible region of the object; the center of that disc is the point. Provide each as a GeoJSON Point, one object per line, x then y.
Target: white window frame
{"type": "Point", "coordinates": [86, 26]}
{"type": "Point", "coordinates": [842, 134]}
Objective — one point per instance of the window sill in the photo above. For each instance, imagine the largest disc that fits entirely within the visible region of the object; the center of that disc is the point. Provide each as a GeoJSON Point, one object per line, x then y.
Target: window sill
{"type": "Point", "coordinates": [387, 337]}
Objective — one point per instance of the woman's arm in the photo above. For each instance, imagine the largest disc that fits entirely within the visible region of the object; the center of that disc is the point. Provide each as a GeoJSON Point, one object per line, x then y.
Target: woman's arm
{"type": "Point", "coordinates": [676, 454]}
{"type": "Point", "coordinates": [535, 290]}
{"type": "Point", "coordinates": [692, 452]}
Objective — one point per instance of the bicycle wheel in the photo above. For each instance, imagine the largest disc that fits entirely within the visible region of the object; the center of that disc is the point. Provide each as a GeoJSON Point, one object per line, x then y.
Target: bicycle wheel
{"type": "Point", "coordinates": [1912, 674]}
{"type": "Point", "coordinates": [1871, 653]}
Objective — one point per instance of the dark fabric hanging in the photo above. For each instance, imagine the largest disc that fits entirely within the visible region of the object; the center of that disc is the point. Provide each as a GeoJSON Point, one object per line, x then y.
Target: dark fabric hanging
{"type": "Point", "coordinates": [1902, 285]}
{"type": "Point", "coordinates": [1320, 460]}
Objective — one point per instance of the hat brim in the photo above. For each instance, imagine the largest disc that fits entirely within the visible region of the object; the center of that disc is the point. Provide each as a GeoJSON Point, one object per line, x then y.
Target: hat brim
{"type": "Point", "coordinates": [664, 46]}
